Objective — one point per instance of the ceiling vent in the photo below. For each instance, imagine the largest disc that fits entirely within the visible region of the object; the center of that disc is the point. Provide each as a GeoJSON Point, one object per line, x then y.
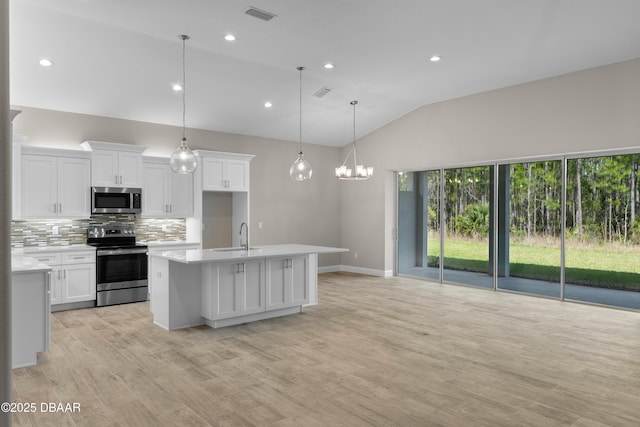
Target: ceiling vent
{"type": "Point", "coordinates": [322, 92]}
{"type": "Point", "coordinates": [260, 14]}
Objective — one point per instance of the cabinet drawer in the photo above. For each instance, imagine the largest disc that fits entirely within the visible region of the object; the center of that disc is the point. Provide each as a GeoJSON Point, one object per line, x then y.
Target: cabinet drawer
{"type": "Point", "coordinates": [49, 259]}
{"type": "Point", "coordinates": [79, 257]}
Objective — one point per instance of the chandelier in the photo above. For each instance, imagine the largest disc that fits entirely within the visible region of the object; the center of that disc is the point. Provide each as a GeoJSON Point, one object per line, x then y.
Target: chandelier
{"type": "Point", "coordinates": [359, 172]}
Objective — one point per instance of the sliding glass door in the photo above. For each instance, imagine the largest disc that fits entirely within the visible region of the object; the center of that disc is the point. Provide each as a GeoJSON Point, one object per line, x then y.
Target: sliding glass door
{"type": "Point", "coordinates": [530, 227]}
{"type": "Point", "coordinates": [462, 225]}
{"type": "Point", "coordinates": [419, 224]}
{"type": "Point", "coordinates": [467, 223]}
{"type": "Point", "coordinates": [603, 231]}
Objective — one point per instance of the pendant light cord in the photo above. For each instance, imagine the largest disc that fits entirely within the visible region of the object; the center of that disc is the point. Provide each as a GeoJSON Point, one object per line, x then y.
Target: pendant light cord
{"type": "Point", "coordinates": [184, 85]}
{"type": "Point", "coordinates": [355, 162]}
{"type": "Point", "coordinates": [300, 69]}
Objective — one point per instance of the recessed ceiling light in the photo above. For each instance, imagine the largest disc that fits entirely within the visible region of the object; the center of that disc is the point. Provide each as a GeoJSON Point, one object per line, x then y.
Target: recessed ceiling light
{"type": "Point", "coordinates": [268, 104]}
{"type": "Point", "coordinates": [46, 62]}
{"type": "Point", "coordinates": [328, 66]}
{"type": "Point", "coordinates": [177, 87]}
{"type": "Point", "coordinates": [435, 58]}
{"type": "Point", "coordinates": [229, 37]}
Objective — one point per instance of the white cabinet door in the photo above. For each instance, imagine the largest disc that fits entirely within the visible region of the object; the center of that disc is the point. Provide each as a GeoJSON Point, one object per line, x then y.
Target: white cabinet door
{"type": "Point", "coordinates": [213, 174]}
{"type": "Point", "coordinates": [39, 184]}
{"type": "Point", "coordinates": [55, 187]}
{"type": "Point", "coordinates": [237, 289]}
{"type": "Point", "coordinates": [56, 285]}
{"type": "Point", "coordinates": [253, 289]}
{"type": "Point", "coordinates": [237, 175]}
{"type": "Point", "coordinates": [226, 290]}
{"type": "Point", "coordinates": [299, 286]}
{"type": "Point", "coordinates": [111, 168]}
{"type": "Point", "coordinates": [181, 194]}
{"type": "Point", "coordinates": [78, 282]}
{"type": "Point", "coordinates": [130, 169]}
{"type": "Point", "coordinates": [286, 284]}
{"type": "Point", "coordinates": [225, 175]}
{"type": "Point", "coordinates": [154, 203]}
{"type": "Point", "coordinates": [104, 168]}
{"type": "Point", "coordinates": [166, 194]}
{"type": "Point", "coordinates": [74, 188]}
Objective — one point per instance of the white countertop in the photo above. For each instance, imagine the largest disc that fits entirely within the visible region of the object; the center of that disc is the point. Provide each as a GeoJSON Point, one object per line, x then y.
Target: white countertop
{"type": "Point", "coordinates": [262, 251]}
{"type": "Point", "coordinates": [27, 264]}
{"type": "Point", "coordinates": [153, 244]}
{"type": "Point", "coordinates": [43, 249]}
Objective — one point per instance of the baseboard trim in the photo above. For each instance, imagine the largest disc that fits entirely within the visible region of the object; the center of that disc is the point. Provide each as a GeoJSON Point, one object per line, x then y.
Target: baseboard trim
{"type": "Point", "coordinates": [358, 270]}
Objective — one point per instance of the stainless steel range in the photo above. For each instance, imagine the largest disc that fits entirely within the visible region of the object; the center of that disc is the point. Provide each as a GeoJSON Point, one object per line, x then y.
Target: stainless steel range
{"type": "Point", "coordinates": [121, 265]}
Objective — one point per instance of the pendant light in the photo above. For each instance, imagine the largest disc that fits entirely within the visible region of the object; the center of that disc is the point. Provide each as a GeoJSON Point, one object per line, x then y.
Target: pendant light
{"type": "Point", "coordinates": [300, 169]}
{"type": "Point", "coordinates": [183, 160]}
{"type": "Point", "coordinates": [362, 172]}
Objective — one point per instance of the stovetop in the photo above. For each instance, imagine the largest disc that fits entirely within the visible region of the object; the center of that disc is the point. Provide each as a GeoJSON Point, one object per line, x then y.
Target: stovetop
{"type": "Point", "coordinates": [113, 237]}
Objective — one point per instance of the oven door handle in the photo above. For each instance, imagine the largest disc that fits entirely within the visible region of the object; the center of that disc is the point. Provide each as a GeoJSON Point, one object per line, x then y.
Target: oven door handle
{"type": "Point", "coordinates": [105, 252]}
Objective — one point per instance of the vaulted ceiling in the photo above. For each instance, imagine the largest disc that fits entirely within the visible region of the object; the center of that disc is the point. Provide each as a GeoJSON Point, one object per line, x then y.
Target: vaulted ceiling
{"type": "Point", "coordinates": [119, 58]}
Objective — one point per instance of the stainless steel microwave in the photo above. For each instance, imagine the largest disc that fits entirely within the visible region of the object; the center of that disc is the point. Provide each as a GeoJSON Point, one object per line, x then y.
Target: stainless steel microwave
{"type": "Point", "coordinates": [113, 200]}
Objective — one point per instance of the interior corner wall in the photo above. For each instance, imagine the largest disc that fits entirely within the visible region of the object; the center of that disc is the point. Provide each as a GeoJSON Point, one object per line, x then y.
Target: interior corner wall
{"type": "Point", "coordinates": [589, 110]}
{"type": "Point", "coordinates": [289, 212]}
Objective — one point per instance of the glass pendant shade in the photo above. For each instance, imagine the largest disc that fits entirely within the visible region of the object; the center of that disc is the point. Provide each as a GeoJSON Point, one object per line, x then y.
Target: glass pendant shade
{"type": "Point", "coordinates": [183, 160]}
{"type": "Point", "coordinates": [300, 169]}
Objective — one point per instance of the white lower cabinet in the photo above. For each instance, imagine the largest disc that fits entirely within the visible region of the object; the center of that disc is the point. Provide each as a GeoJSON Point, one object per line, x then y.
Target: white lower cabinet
{"type": "Point", "coordinates": [73, 275]}
{"type": "Point", "coordinates": [286, 284]}
{"type": "Point", "coordinates": [233, 289]}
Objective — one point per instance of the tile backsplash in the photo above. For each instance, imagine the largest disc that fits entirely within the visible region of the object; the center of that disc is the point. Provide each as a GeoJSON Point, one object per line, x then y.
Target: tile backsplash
{"type": "Point", "coordinates": [72, 232]}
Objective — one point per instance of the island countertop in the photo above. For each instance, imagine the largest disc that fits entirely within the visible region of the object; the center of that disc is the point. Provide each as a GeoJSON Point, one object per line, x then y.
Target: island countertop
{"type": "Point", "coordinates": [192, 256]}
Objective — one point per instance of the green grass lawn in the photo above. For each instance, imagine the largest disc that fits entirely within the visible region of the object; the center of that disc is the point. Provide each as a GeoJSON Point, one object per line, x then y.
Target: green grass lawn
{"type": "Point", "coordinates": [605, 267]}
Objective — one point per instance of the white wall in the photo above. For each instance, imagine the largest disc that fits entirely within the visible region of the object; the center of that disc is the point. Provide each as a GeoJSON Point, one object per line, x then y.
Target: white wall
{"type": "Point", "coordinates": [595, 109]}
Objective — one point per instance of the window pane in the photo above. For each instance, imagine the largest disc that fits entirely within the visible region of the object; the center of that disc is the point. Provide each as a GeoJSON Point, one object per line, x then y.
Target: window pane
{"type": "Point", "coordinates": [603, 233]}
{"type": "Point", "coordinates": [467, 223]}
{"type": "Point", "coordinates": [529, 246]}
{"type": "Point", "coordinates": [418, 224]}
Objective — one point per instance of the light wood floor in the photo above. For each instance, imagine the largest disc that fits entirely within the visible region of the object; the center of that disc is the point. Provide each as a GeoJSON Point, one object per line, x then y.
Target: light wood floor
{"type": "Point", "coordinates": [376, 351]}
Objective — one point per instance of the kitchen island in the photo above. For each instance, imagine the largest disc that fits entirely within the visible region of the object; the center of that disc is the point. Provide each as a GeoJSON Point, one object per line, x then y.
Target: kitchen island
{"type": "Point", "coordinates": [223, 287]}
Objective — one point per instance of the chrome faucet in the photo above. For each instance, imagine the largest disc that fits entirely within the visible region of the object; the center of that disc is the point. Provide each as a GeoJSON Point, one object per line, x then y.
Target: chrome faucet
{"type": "Point", "coordinates": [246, 244]}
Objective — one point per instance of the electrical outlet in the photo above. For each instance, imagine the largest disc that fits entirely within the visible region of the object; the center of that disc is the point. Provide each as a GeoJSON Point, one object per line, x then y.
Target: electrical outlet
{"type": "Point", "coordinates": [355, 255]}
{"type": "Point", "coordinates": [54, 230]}
{"type": "Point", "coordinates": [259, 224]}
{"type": "Point", "coordinates": [164, 227]}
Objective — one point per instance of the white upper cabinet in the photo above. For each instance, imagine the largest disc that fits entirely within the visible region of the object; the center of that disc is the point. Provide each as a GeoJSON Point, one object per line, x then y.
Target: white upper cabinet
{"type": "Point", "coordinates": [166, 194]}
{"type": "Point", "coordinates": [115, 165]}
{"type": "Point", "coordinates": [224, 171]}
{"type": "Point", "coordinates": [54, 184]}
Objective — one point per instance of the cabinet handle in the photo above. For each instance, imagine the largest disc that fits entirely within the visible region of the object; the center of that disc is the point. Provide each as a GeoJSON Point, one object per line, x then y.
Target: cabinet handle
{"type": "Point", "coordinates": [55, 208]}
{"type": "Point", "coordinates": [116, 179]}
{"type": "Point", "coordinates": [60, 207]}
{"type": "Point", "coordinates": [170, 208]}
{"type": "Point", "coordinates": [64, 274]}
{"type": "Point", "coordinates": [120, 179]}
{"type": "Point", "coordinates": [58, 274]}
